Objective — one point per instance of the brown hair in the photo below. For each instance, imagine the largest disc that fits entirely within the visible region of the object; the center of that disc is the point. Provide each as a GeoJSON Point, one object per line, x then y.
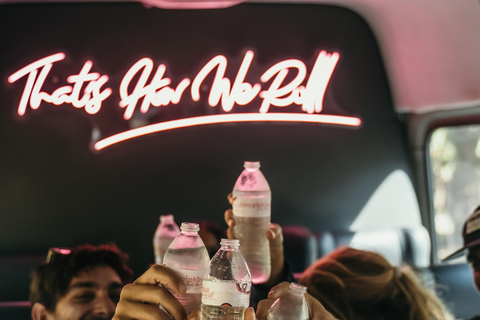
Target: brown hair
{"type": "Point", "coordinates": [355, 285]}
{"type": "Point", "coordinates": [50, 281]}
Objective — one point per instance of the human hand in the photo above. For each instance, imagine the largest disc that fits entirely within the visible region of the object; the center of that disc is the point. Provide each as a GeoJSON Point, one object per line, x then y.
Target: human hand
{"type": "Point", "coordinates": [275, 240]}
{"type": "Point", "coordinates": [316, 311]}
{"type": "Point", "coordinates": [142, 299]}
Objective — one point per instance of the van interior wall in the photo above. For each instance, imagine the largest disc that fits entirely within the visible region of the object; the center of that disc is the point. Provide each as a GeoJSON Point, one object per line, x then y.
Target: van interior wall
{"type": "Point", "coordinates": [56, 191]}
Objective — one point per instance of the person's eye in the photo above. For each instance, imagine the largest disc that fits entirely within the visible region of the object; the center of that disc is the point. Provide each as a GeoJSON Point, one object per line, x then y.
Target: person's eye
{"type": "Point", "coordinates": [115, 295]}
{"type": "Point", "coordinates": [85, 297]}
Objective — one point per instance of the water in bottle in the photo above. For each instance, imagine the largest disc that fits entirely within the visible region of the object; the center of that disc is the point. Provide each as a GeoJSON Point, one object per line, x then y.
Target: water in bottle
{"type": "Point", "coordinates": [227, 285]}
{"type": "Point", "coordinates": [188, 257]}
{"type": "Point", "coordinates": [291, 306]}
{"type": "Point", "coordinates": [166, 231]}
{"type": "Point", "coordinates": [251, 210]}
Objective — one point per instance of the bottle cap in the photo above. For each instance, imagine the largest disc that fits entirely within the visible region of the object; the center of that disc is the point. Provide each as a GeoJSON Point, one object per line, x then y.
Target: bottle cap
{"type": "Point", "coordinates": [190, 226]}
{"type": "Point", "coordinates": [230, 242]}
{"type": "Point", "coordinates": [166, 217]}
{"type": "Point", "coordinates": [298, 287]}
{"type": "Point", "coordinates": [251, 164]}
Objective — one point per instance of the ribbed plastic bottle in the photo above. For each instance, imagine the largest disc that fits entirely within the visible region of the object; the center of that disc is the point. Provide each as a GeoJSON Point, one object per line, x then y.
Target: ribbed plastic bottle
{"type": "Point", "coordinates": [227, 285]}
{"type": "Point", "coordinates": [291, 306]}
{"type": "Point", "coordinates": [251, 210]}
{"type": "Point", "coordinates": [188, 257]}
{"type": "Point", "coordinates": [166, 231]}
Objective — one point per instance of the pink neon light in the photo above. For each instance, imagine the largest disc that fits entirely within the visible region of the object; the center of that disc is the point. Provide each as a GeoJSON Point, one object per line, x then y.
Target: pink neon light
{"type": "Point", "coordinates": [240, 93]}
{"type": "Point", "coordinates": [238, 117]}
{"type": "Point", "coordinates": [92, 96]}
{"type": "Point", "coordinates": [158, 93]}
{"type": "Point", "coordinates": [164, 96]}
{"type": "Point", "coordinates": [31, 70]}
{"type": "Point", "coordinates": [64, 251]}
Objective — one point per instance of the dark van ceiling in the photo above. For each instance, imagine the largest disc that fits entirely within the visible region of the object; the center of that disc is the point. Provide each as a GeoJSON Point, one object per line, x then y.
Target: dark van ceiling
{"type": "Point", "coordinates": [56, 191]}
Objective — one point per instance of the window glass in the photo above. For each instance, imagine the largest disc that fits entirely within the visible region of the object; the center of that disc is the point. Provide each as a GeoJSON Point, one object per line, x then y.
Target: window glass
{"type": "Point", "coordinates": [455, 178]}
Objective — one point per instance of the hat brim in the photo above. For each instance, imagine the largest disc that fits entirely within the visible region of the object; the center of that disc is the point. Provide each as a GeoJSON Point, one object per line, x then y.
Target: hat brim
{"type": "Point", "coordinates": [461, 251]}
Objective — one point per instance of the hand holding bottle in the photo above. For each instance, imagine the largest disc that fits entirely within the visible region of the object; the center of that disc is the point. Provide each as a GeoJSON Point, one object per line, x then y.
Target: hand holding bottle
{"type": "Point", "coordinates": [275, 240]}
{"type": "Point", "coordinates": [142, 298]}
{"type": "Point", "coordinates": [315, 308]}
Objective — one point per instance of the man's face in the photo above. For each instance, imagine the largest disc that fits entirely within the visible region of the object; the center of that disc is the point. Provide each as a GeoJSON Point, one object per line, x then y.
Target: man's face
{"type": "Point", "coordinates": [92, 295]}
{"type": "Point", "coordinates": [474, 260]}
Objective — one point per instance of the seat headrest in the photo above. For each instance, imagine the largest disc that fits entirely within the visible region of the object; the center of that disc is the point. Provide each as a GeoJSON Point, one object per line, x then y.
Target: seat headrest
{"type": "Point", "coordinates": [300, 247]}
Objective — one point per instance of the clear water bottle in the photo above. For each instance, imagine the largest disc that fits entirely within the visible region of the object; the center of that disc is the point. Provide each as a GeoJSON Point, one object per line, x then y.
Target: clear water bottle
{"type": "Point", "coordinates": [227, 285]}
{"type": "Point", "coordinates": [188, 257]}
{"type": "Point", "coordinates": [251, 210]}
{"type": "Point", "coordinates": [291, 306]}
{"type": "Point", "coordinates": [166, 231]}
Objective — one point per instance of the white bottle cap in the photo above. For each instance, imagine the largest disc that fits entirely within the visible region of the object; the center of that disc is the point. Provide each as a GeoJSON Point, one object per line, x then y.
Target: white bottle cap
{"type": "Point", "coordinates": [167, 217]}
{"type": "Point", "coordinates": [298, 287]}
{"type": "Point", "coordinates": [230, 242]}
{"type": "Point", "coordinates": [189, 227]}
{"type": "Point", "coordinates": [251, 164]}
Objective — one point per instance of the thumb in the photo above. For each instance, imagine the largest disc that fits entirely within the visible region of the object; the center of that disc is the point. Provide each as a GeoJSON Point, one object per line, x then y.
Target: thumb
{"type": "Point", "coordinates": [250, 314]}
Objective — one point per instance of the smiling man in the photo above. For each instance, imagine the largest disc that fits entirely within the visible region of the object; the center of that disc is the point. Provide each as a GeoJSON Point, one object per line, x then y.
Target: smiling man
{"type": "Point", "coordinates": [82, 283]}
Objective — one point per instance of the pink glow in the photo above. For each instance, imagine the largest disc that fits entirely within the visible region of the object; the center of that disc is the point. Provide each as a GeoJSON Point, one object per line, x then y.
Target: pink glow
{"type": "Point", "coordinates": [238, 117]}
{"type": "Point", "coordinates": [64, 251]}
{"type": "Point", "coordinates": [31, 70]}
{"type": "Point", "coordinates": [241, 92]}
{"type": "Point", "coordinates": [163, 97]}
{"type": "Point", "coordinates": [92, 96]}
{"type": "Point", "coordinates": [158, 92]}
{"type": "Point", "coordinates": [271, 96]}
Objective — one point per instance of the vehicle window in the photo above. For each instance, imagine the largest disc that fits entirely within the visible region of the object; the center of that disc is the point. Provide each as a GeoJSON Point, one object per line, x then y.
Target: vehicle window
{"type": "Point", "coordinates": [455, 179]}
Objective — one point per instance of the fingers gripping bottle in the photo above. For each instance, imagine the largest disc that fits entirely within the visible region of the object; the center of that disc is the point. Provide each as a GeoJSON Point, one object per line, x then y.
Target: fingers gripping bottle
{"type": "Point", "coordinates": [251, 210]}
{"type": "Point", "coordinates": [227, 285]}
{"type": "Point", "coordinates": [291, 306]}
{"type": "Point", "coordinates": [166, 231]}
{"type": "Point", "coordinates": [188, 257]}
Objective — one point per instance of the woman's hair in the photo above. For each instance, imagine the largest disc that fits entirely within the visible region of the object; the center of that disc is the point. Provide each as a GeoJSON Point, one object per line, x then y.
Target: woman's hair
{"type": "Point", "coordinates": [355, 285]}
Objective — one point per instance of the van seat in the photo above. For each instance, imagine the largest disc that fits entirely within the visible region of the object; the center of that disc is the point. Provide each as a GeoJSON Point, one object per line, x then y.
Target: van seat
{"type": "Point", "coordinates": [455, 285]}
{"type": "Point", "coordinates": [300, 247]}
{"type": "Point", "coordinates": [16, 270]}
{"type": "Point", "coordinates": [418, 246]}
{"type": "Point", "coordinates": [402, 245]}
{"type": "Point", "coordinates": [388, 243]}
{"type": "Point", "coordinates": [15, 310]}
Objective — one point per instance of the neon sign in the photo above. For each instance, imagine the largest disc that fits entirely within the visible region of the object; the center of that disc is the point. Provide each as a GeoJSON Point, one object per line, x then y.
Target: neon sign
{"type": "Point", "coordinates": [158, 93]}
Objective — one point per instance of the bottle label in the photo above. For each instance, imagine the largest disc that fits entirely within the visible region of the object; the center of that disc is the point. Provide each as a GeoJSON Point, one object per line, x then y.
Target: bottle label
{"type": "Point", "coordinates": [226, 294]}
{"type": "Point", "coordinates": [191, 278]}
{"type": "Point", "coordinates": [251, 207]}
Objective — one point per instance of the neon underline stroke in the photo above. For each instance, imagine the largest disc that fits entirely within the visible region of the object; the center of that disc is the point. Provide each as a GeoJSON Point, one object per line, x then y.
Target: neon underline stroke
{"type": "Point", "coordinates": [222, 118]}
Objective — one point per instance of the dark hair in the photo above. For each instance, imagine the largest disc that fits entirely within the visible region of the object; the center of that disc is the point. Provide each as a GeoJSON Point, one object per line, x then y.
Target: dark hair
{"type": "Point", "coordinates": [50, 281]}
{"type": "Point", "coordinates": [217, 231]}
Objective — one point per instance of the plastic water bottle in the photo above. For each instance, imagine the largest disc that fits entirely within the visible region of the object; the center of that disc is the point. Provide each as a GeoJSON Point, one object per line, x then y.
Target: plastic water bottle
{"type": "Point", "coordinates": [167, 230]}
{"type": "Point", "coordinates": [227, 285]}
{"type": "Point", "coordinates": [291, 306]}
{"type": "Point", "coordinates": [188, 257]}
{"type": "Point", "coordinates": [251, 210]}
